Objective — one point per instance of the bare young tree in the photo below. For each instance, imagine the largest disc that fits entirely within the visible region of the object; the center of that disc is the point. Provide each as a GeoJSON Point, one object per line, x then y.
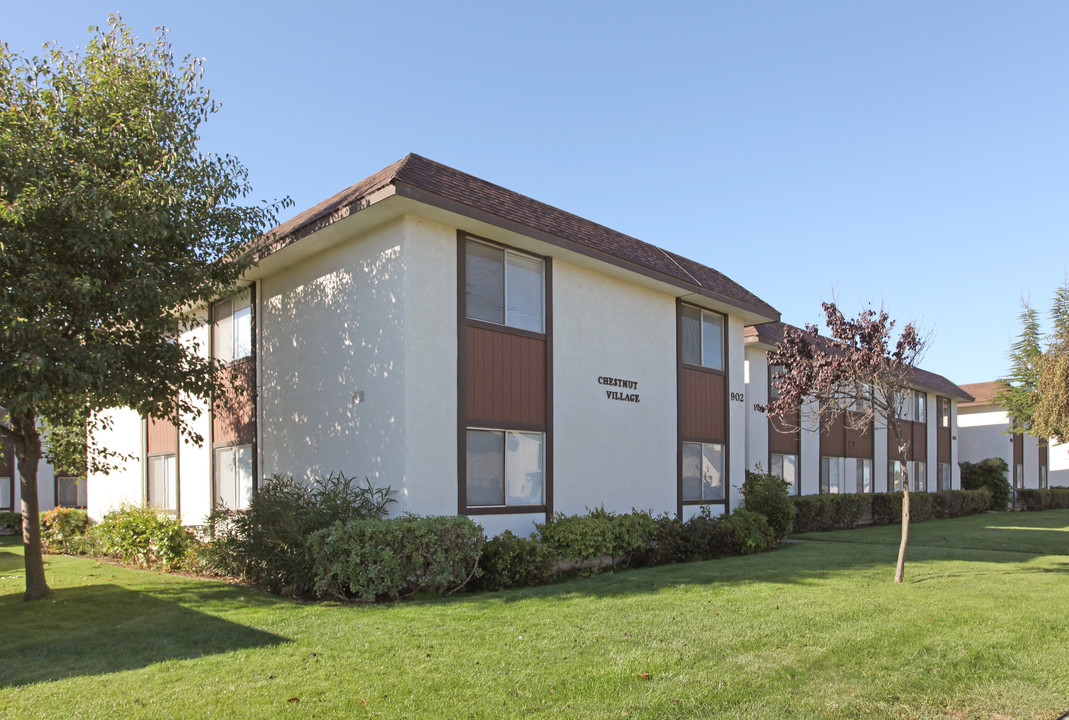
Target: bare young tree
{"type": "Point", "coordinates": [861, 373]}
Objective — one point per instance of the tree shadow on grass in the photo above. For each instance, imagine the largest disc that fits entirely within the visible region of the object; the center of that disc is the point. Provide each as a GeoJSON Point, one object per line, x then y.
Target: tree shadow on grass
{"type": "Point", "coordinates": [10, 561]}
{"type": "Point", "coordinates": [96, 629]}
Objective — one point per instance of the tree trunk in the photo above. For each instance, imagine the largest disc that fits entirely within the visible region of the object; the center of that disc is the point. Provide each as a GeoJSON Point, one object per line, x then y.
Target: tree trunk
{"type": "Point", "coordinates": [900, 569]}
{"type": "Point", "coordinates": [28, 454]}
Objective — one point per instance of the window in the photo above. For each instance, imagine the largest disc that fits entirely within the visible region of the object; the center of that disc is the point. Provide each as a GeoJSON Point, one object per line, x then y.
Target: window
{"type": "Point", "coordinates": [233, 476]}
{"type": "Point", "coordinates": [703, 471]}
{"type": "Point", "coordinates": [7, 493]}
{"type": "Point", "coordinates": [943, 409]}
{"type": "Point", "coordinates": [1018, 475]}
{"type": "Point", "coordinates": [232, 328]}
{"type": "Point", "coordinates": [943, 481]}
{"type": "Point", "coordinates": [163, 482]}
{"type": "Point", "coordinates": [920, 476]}
{"type": "Point", "coordinates": [920, 407]}
{"type": "Point", "coordinates": [505, 468]}
{"type": "Point", "coordinates": [702, 338]}
{"type": "Point", "coordinates": [831, 474]}
{"type": "Point", "coordinates": [71, 492]}
{"type": "Point", "coordinates": [503, 287]}
{"type": "Point", "coordinates": [1043, 477]}
{"type": "Point", "coordinates": [864, 475]}
{"type": "Point", "coordinates": [786, 466]}
{"type": "Point", "coordinates": [894, 475]}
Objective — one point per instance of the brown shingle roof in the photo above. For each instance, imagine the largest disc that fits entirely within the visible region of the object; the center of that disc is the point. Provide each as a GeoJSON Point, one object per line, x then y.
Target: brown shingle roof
{"type": "Point", "coordinates": [415, 173]}
{"type": "Point", "coordinates": [772, 333]}
{"type": "Point", "coordinates": [982, 392]}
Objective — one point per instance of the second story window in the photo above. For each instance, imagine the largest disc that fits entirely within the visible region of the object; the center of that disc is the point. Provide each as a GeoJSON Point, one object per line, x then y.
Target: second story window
{"type": "Point", "coordinates": [503, 287]}
{"type": "Point", "coordinates": [943, 406]}
{"type": "Point", "coordinates": [920, 406]}
{"type": "Point", "coordinates": [702, 338]}
{"type": "Point", "coordinates": [232, 328]}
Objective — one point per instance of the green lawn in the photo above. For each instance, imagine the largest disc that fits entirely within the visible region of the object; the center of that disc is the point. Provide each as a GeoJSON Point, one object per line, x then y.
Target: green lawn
{"type": "Point", "coordinates": [815, 630]}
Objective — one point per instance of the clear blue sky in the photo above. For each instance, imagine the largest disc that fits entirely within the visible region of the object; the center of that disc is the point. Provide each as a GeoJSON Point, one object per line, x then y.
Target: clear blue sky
{"type": "Point", "coordinates": [913, 154]}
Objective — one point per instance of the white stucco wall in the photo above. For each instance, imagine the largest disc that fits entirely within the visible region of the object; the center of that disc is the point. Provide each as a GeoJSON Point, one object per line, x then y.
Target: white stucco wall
{"type": "Point", "coordinates": [736, 367]}
{"type": "Point", "coordinates": [123, 484]}
{"type": "Point", "coordinates": [195, 462]}
{"type": "Point", "coordinates": [608, 452]}
{"type": "Point", "coordinates": [428, 484]}
{"type": "Point", "coordinates": [756, 378]}
{"type": "Point", "coordinates": [981, 435]}
{"type": "Point", "coordinates": [333, 325]}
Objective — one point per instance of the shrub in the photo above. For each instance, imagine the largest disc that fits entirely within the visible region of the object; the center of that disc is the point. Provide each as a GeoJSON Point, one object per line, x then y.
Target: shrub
{"type": "Point", "coordinates": [142, 536]}
{"type": "Point", "coordinates": [887, 507]}
{"type": "Point", "coordinates": [975, 501]}
{"type": "Point", "coordinates": [1047, 499]}
{"type": "Point", "coordinates": [768, 495]}
{"type": "Point", "coordinates": [746, 532]}
{"type": "Point", "coordinates": [957, 503]}
{"type": "Point", "coordinates": [63, 530]}
{"type": "Point", "coordinates": [989, 474]}
{"type": "Point", "coordinates": [672, 542]}
{"type": "Point", "coordinates": [509, 561]}
{"type": "Point", "coordinates": [599, 535]}
{"type": "Point", "coordinates": [703, 534]}
{"type": "Point", "coordinates": [819, 513]}
{"type": "Point", "coordinates": [373, 559]}
{"type": "Point", "coordinates": [11, 521]}
{"type": "Point", "coordinates": [268, 543]}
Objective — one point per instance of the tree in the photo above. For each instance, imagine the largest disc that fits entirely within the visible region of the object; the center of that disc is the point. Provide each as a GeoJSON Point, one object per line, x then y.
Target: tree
{"type": "Point", "coordinates": [1036, 393]}
{"type": "Point", "coordinates": [113, 225]}
{"type": "Point", "coordinates": [861, 373]}
{"type": "Point", "coordinates": [1017, 391]}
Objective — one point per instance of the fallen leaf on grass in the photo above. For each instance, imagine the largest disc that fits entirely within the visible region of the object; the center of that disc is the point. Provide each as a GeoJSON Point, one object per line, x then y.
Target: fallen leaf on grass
{"type": "Point", "coordinates": [643, 676]}
{"type": "Point", "coordinates": [294, 700]}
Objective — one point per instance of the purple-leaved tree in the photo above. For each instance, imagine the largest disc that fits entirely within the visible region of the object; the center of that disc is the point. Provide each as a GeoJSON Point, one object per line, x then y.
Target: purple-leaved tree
{"type": "Point", "coordinates": [861, 372]}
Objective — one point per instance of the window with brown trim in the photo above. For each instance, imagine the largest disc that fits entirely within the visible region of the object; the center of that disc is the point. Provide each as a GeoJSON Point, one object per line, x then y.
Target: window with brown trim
{"type": "Point", "coordinates": [943, 412]}
{"type": "Point", "coordinates": [232, 327]}
{"type": "Point", "coordinates": [702, 337]}
{"type": "Point", "coordinates": [503, 287]}
{"type": "Point", "coordinates": [703, 471]}
{"type": "Point", "coordinates": [786, 467]}
{"type": "Point", "coordinates": [163, 482]}
{"type": "Point", "coordinates": [505, 468]}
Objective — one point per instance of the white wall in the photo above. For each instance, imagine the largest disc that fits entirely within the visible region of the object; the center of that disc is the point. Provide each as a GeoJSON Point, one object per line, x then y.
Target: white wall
{"type": "Point", "coordinates": [123, 484]}
{"type": "Point", "coordinates": [195, 462]}
{"type": "Point", "coordinates": [429, 482]}
{"type": "Point", "coordinates": [608, 452]}
{"type": "Point", "coordinates": [756, 393]}
{"type": "Point", "coordinates": [736, 354]}
{"type": "Point", "coordinates": [981, 435]}
{"type": "Point", "coordinates": [332, 326]}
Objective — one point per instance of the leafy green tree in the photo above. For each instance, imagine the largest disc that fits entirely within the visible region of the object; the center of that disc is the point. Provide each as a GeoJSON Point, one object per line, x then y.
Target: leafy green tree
{"type": "Point", "coordinates": [1051, 414]}
{"type": "Point", "coordinates": [113, 224]}
{"type": "Point", "coordinates": [1036, 393]}
{"type": "Point", "coordinates": [1017, 391]}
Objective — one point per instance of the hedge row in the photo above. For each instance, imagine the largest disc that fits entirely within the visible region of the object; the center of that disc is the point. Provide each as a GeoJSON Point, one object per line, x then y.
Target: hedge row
{"type": "Point", "coordinates": [819, 513]}
{"type": "Point", "coordinates": [1048, 499]}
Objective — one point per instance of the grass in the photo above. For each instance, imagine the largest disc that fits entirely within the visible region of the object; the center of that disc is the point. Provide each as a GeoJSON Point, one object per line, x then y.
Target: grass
{"type": "Point", "coordinates": [815, 630]}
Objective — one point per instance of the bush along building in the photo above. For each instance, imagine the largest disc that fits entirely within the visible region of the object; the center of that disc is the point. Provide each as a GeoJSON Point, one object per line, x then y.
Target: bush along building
{"type": "Point", "coordinates": [1034, 463]}
{"type": "Point", "coordinates": [488, 355]}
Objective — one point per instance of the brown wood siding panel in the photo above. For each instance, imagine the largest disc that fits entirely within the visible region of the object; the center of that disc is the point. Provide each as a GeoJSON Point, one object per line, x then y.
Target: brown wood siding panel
{"type": "Point", "coordinates": [703, 406]}
{"type": "Point", "coordinates": [161, 436]}
{"type": "Point", "coordinates": [1018, 449]}
{"type": "Point", "coordinates": [7, 458]}
{"type": "Point", "coordinates": [781, 440]}
{"type": "Point", "coordinates": [892, 442]}
{"type": "Point", "coordinates": [942, 444]}
{"type": "Point", "coordinates": [833, 437]}
{"type": "Point", "coordinates": [1042, 455]}
{"type": "Point", "coordinates": [859, 443]}
{"type": "Point", "coordinates": [234, 420]}
{"type": "Point", "coordinates": [506, 378]}
{"type": "Point", "coordinates": [920, 441]}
